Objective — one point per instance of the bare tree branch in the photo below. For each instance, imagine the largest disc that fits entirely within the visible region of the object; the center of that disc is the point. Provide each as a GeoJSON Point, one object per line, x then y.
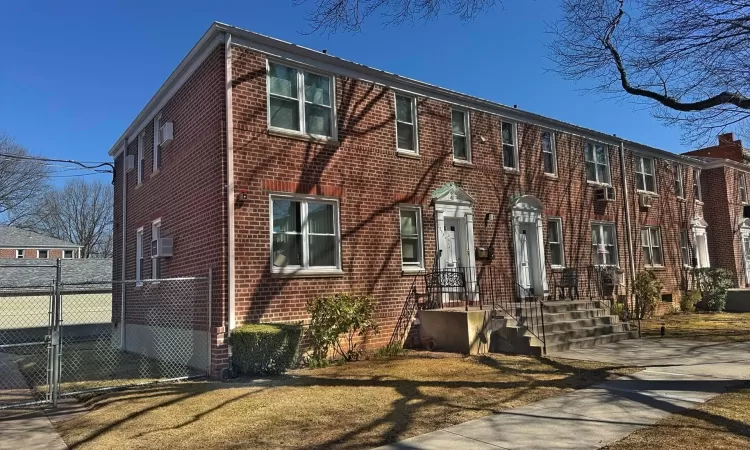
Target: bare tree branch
{"type": "Point", "coordinates": [22, 181]}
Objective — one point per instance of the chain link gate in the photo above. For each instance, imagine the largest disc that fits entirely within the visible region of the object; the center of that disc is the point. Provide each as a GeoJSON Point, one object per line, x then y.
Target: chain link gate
{"type": "Point", "coordinates": [65, 339]}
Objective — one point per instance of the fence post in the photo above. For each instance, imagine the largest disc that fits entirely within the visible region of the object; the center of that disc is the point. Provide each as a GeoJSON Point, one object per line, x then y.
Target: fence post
{"type": "Point", "coordinates": [210, 304]}
{"type": "Point", "coordinates": [54, 381]}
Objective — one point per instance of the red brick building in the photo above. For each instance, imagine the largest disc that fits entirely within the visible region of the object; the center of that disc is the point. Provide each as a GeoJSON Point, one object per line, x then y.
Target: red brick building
{"type": "Point", "coordinates": [292, 173]}
{"type": "Point", "coordinates": [16, 243]}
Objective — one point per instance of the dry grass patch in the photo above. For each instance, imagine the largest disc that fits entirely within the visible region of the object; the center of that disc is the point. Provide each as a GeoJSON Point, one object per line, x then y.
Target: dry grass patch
{"type": "Point", "coordinates": [358, 405]}
{"type": "Point", "coordinates": [711, 327]}
{"type": "Point", "coordinates": [721, 423]}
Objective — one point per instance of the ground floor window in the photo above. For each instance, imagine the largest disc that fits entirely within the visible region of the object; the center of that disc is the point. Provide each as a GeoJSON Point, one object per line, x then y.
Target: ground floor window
{"type": "Point", "coordinates": [651, 244]}
{"type": "Point", "coordinates": [411, 237]}
{"type": "Point", "coordinates": [700, 244]}
{"type": "Point", "coordinates": [685, 248]}
{"type": "Point", "coordinates": [554, 238]}
{"type": "Point", "coordinates": [604, 241]}
{"type": "Point", "coordinates": [305, 233]}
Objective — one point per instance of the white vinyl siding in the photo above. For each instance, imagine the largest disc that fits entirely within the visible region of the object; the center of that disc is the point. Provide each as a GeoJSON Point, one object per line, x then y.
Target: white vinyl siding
{"type": "Point", "coordinates": [300, 101]}
{"type": "Point", "coordinates": [651, 245]}
{"type": "Point", "coordinates": [555, 241]}
{"type": "Point", "coordinates": [410, 221]}
{"type": "Point", "coordinates": [549, 152]}
{"type": "Point", "coordinates": [645, 178]}
{"type": "Point", "coordinates": [597, 163]}
{"type": "Point", "coordinates": [460, 131]}
{"type": "Point", "coordinates": [304, 234]}
{"type": "Point", "coordinates": [510, 146]}
{"type": "Point", "coordinates": [406, 124]}
{"type": "Point", "coordinates": [604, 233]}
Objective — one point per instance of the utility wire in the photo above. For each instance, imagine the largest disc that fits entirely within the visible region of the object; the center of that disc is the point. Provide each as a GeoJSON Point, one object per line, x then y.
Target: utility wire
{"type": "Point", "coordinates": [87, 165]}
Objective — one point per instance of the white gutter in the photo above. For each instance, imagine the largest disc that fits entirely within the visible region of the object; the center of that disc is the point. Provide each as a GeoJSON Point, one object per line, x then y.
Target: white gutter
{"type": "Point", "coordinates": [231, 319]}
{"type": "Point", "coordinates": [123, 224]}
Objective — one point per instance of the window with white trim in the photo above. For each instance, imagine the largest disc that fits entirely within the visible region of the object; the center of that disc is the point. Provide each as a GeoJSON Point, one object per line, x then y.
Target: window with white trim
{"type": "Point", "coordinates": [651, 245]}
{"type": "Point", "coordinates": [460, 130]}
{"type": "Point", "coordinates": [139, 255]}
{"type": "Point", "coordinates": [42, 254]}
{"type": "Point", "coordinates": [406, 124]}
{"type": "Point", "coordinates": [604, 241]}
{"type": "Point", "coordinates": [697, 193]}
{"type": "Point", "coordinates": [685, 248]}
{"type": "Point", "coordinates": [304, 234]}
{"type": "Point", "coordinates": [157, 146]}
{"type": "Point", "coordinates": [155, 259]}
{"type": "Point", "coordinates": [141, 139]}
{"type": "Point", "coordinates": [645, 178]}
{"type": "Point", "coordinates": [510, 148]}
{"type": "Point", "coordinates": [19, 254]}
{"type": "Point", "coordinates": [700, 247]}
{"type": "Point", "coordinates": [597, 163]}
{"type": "Point", "coordinates": [410, 218]}
{"type": "Point", "coordinates": [555, 241]}
{"type": "Point", "coordinates": [300, 101]}
{"type": "Point", "coordinates": [679, 188]}
{"type": "Point", "coordinates": [743, 188]}
{"type": "Point", "coordinates": [549, 152]}
{"type": "Point", "coordinates": [68, 254]}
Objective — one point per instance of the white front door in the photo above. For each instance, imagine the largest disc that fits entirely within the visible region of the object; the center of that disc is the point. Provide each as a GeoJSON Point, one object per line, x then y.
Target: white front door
{"type": "Point", "coordinates": [452, 244]}
{"type": "Point", "coordinates": [524, 275]}
{"type": "Point", "coordinates": [746, 256]}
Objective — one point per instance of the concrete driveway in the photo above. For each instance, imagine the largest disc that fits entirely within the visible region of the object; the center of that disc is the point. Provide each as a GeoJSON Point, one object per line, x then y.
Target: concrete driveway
{"type": "Point", "coordinates": [678, 375]}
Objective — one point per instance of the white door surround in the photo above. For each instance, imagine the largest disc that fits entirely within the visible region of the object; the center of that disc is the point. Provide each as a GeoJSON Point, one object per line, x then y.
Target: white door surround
{"type": "Point", "coordinates": [454, 209]}
{"type": "Point", "coordinates": [745, 247]}
{"type": "Point", "coordinates": [528, 242]}
{"type": "Point", "coordinates": [700, 241]}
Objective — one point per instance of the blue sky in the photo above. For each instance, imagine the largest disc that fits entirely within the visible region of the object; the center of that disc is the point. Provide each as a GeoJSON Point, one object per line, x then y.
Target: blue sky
{"type": "Point", "coordinates": [74, 74]}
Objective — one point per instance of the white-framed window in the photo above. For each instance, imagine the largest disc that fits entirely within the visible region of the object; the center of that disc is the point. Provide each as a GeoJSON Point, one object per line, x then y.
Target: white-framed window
{"type": "Point", "coordinates": [509, 132]}
{"type": "Point", "coordinates": [685, 248]}
{"type": "Point", "coordinates": [406, 123]}
{"type": "Point", "coordinates": [139, 255]}
{"type": "Point", "coordinates": [460, 130]}
{"type": "Point", "coordinates": [597, 163]}
{"type": "Point", "coordinates": [555, 240]}
{"type": "Point", "coordinates": [743, 188]}
{"type": "Point", "coordinates": [679, 188]}
{"type": "Point", "coordinates": [304, 234]}
{"type": "Point", "coordinates": [651, 244]}
{"type": "Point", "coordinates": [157, 147]}
{"type": "Point", "coordinates": [68, 254]}
{"type": "Point", "coordinates": [155, 259]}
{"type": "Point", "coordinates": [697, 191]}
{"type": "Point", "coordinates": [410, 219]}
{"type": "Point", "coordinates": [19, 254]}
{"type": "Point", "coordinates": [42, 254]}
{"type": "Point", "coordinates": [141, 139]}
{"type": "Point", "coordinates": [700, 247]}
{"type": "Point", "coordinates": [604, 241]}
{"type": "Point", "coordinates": [300, 101]}
{"type": "Point", "coordinates": [645, 178]}
{"type": "Point", "coordinates": [549, 152]}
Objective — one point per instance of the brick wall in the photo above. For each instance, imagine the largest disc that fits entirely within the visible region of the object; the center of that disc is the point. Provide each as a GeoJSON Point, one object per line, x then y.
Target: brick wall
{"type": "Point", "coordinates": [28, 253]}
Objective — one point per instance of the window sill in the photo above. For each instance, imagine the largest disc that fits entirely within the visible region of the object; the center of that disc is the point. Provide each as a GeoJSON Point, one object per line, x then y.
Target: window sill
{"type": "Point", "coordinates": [154, 173]}
{"type": "Point", "coordinates": [698, 202]}
{"type": "Point", "coordinates": [511, 171]}
{"type": "Point", "coordinates": [406, 271]}
{"type": "Point", "coordinates": [558, 268]}
{"type": "Point", "coordinates": [681, 199]}
{"type": "Point", "coordinates": [308, 273]}
{"type": "Point", "coordinates": [462, 163]}
{"type": "Point", "coordinates": [652, 194]}
{"type": "Point", "coordinates": [139, 185]}
{"type": "Point", "coordinates": [302, 136]}
{"type": "Point", "coordinates": [407, 154]}
{"type": "Point", "coordinates": [597, 184]}
{"type": "Point", "coordinates": [551, 176]}
{"type": "Point", "coordinates": [656, 268]}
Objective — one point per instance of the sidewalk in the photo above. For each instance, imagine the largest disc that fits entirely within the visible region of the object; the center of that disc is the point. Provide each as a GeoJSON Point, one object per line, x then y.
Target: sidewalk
{"type": "Point", "coordinates": [23, 429]}
{"type": "Point", "coordinates": [682, 374]}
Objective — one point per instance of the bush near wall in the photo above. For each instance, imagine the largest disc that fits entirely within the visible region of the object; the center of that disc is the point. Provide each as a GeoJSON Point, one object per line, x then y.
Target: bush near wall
{"type": "Point", "coordinates": [261, 349]}
{"type": "Point", "coordinates": [713, 283]}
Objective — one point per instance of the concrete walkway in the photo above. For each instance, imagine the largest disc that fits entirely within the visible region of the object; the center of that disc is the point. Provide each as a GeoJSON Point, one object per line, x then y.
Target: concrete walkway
{"type": "Point", "coordinates": [28, 429]}
{"type": "Point", "coordinates": [679, 375]}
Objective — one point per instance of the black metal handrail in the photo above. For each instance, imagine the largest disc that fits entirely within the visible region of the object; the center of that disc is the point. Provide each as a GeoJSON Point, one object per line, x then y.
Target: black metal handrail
{"type": "Point", "coordinates": [534, 317]}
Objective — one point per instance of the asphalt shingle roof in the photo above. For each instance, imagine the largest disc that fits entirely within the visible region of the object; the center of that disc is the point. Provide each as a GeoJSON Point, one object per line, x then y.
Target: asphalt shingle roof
{"type": "Point", "coordinates": [38, 273]}
{"type": "Point", "coordinates": [12, 237]}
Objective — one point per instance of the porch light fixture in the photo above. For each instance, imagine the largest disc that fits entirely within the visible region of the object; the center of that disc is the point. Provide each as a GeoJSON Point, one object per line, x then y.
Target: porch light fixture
{"type": "Point", "coordinates": [489, 218]}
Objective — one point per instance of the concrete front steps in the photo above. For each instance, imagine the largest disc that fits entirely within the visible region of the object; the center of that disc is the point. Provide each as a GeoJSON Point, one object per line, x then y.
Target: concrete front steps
{"type": "Point", "coordinates": [567, 325]}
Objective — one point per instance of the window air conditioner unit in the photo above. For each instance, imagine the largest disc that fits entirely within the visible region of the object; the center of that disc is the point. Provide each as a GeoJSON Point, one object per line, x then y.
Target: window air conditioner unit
{"type": "Point", "coordinates": [645, 200]}
{"type": "Point", "coordinates": [166, 133]}
{"type": "Point", "coordinates": [129, 163]}
{"type": "Point", "coordinates": [605, 194]}
{"type": "Point", "coordinates": [162, 247]}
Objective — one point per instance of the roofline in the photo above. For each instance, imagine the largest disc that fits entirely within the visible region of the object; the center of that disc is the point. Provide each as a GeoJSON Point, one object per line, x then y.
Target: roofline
{"type": "Point", "coordinates": [716, 163]}
{"type": "Point", "coordinates": [273, 46]}
{"type": "Point", "coordinates": [43, 247]}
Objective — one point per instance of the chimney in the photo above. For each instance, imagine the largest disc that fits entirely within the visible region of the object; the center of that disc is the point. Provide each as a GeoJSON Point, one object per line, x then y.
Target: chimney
{"type": "Point", "coordinates": [726, 139]}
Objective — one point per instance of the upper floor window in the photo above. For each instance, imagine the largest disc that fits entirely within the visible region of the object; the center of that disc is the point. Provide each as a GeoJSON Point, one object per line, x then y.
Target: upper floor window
{"type": "Point", "coordinates": [42, 254]}
{"type": "Point", "coordinates": [510, 149]}
{"type": "Point", "coordinates": [67, 254]}
{"type": "Point", "coordinates": [19, 254]}
{"type": "Point", "coordinates": [141, 138]}
{"type": "Point", "coordinates": [411, 237]}
{"type": "Point", "coordinates": [406, 123]}
{"type": "Point", "coordinates": [697, 194]}
{"type": "Point", "coordinates": [743, 188]}
{"type": "Point", "coordinates": [597, 163]}
{"type": "Point", "coordinates": [549, 152]}
{"type": "Point", "coordinates": [679, 188]}
{"type": "Point", "coordinates": [139, 255]}
{"type": "Point", "coordinates": [554, 238]}
{"type": "Point", "coordinates": [299, 101]}
{"type": "Point", "coordinates": [304, 234]}
{"type": "Point", "coordinates": [651, 244]}
{"type": "Point", "coordinates": [460, 130]}
{"type": "Point", "coordinates": [155, 260]}
{"type": "Point", "coordinates": [604, 241]}
{"type": "Point", "coordinates": [157, 145]}
{"type": "Point", "coordinates": [644, 174]}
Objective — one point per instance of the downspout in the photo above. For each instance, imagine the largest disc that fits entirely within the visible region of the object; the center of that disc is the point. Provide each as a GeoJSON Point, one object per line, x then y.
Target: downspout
{"type": "Point", "coordinates": [628, 228]}
{"type": "Point", "coordinates": [231, 320]}
{"type": "Point", "coordinates": [124, 240]}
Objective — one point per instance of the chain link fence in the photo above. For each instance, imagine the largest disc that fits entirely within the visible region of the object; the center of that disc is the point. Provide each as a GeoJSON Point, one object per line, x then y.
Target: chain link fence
{"type": "Point", "coordinates": [64, 339]}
